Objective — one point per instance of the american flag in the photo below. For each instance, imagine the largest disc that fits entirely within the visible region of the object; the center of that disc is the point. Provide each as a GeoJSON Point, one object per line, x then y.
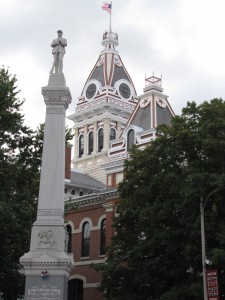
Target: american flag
{"type": "Point", "coordinates": [107, 6]}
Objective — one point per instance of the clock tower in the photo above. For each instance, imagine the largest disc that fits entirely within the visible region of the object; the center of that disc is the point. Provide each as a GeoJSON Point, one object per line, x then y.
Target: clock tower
{"type": "Point", "coordinates": [104, 107]}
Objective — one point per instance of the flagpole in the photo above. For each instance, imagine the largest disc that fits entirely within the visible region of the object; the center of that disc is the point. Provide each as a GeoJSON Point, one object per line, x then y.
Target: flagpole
{"type": "Point", "coordinates": [110, 24]}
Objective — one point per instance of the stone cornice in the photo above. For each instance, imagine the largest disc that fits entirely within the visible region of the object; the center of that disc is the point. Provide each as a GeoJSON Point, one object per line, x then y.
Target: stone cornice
{"type": "Point", "coordinates": [108, 102]}
{"type": "Point", "coordinates": [94, 199]}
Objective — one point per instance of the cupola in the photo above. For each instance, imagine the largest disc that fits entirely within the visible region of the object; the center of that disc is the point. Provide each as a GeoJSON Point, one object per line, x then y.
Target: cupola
{"type": "Point", "coordinates": [109, 75]}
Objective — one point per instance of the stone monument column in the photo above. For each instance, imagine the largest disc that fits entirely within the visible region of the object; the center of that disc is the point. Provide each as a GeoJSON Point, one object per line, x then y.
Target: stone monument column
{"type": "Point", "coordinates": [47, 265]}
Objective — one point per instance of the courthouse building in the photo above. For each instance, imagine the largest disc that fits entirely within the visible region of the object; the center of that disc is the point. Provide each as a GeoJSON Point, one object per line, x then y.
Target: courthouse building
{"type": "Point", "coordinates": [109, 118]}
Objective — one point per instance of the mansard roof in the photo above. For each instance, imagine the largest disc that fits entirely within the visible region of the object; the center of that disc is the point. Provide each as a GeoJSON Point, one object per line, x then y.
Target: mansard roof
{"type": "Point", "coordinates": [109, 73]}
{"type": "Point", "coordinates": [153, 108]}
{"type": "Point", "coordinates": [85, 181]}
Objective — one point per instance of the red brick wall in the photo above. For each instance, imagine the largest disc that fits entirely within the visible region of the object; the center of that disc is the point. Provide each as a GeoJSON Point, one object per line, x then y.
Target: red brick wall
{"type": "Point", "coordinates": [67, 161]}
{"type": "Point", "coordinates": [94, 213]}
{"type": "Point", "coordinates": [92, 294]}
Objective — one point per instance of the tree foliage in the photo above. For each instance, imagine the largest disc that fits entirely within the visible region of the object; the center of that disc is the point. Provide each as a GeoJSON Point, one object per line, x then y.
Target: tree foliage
{"type": "Point", "coordinates": [20, 156]}
{"type": "Point", "coordinates": [156, 251]}
{"type": "Point", "coordinates": [20, 161]}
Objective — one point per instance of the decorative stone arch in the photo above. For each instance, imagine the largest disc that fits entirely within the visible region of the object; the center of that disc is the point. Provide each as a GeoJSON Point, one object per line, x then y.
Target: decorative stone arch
{"type": "Point", "coordinates": [100, 220]}
{"type": "Point", "coordinates": [129, 129]}
{"type": "Point", "coordinates": [69, 235]}
{"type": "Point", "coordinates": [134, 127]}
{"type": "Point", "coordinates": [71, 224]}
{"type": "Point", "coordinates": [78, 276]}
{"type": "Point", "coordinates": [83, 221]}
{"type": "Point", "coordinates": [84, 279]}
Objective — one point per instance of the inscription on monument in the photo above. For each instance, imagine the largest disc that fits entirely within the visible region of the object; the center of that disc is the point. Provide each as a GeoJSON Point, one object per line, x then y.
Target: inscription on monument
{"type": "Point", "coordinates": [50, 212]}
{"type": "Point", "coordinates": [44, 292]}
{"type": "Point", "coordinates": [55, 111]}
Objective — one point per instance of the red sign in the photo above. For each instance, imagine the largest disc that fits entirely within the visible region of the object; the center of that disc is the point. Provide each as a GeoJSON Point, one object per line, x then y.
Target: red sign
{"type": "Point", "coordinates": [212, 284]}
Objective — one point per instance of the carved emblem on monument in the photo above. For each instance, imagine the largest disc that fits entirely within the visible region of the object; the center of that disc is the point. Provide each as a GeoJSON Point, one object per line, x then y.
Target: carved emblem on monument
{"type": "Point", "coordinates": [46, 240]}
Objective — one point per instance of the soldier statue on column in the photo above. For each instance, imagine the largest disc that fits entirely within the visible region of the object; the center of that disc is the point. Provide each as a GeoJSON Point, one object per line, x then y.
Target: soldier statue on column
{"type": "Point", "coordinates": [58, 52]}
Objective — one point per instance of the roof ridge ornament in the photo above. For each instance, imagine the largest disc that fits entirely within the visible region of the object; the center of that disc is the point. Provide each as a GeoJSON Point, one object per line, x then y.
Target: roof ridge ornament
{"type": "Point", "coordinates": [153, 82]}
{"type": "Point", "coordinates": [110, 39]}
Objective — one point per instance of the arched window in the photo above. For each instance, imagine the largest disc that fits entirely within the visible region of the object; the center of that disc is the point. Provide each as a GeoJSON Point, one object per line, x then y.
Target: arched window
{"type": "Point", "coordinates": [75, 289]}
{"type": "Point", "coordinates": [103, 237]}
{"type": "Point", "coordinates": [85, 240]}
{"type": "Point", "coordinates": [130, 139]}
{"type": "Point", "coordinates": [100, 139]}
{"type": "Point", "coordinates": [90, 142]}
{"type": "Point", "coordinates": [112, 134]}
{"type": "Point", "coordinates": [81, 145]}
{"type": "Point", "coordinates": [69, 244]}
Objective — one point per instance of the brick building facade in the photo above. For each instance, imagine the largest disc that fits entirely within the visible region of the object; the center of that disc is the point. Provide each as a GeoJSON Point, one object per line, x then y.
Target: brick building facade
{"type": "Point", "coordinates": [108, 120]}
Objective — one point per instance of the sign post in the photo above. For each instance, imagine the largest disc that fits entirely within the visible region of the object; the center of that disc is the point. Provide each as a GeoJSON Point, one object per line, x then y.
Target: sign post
{"type": "Point", "coordinates": [212, 284]}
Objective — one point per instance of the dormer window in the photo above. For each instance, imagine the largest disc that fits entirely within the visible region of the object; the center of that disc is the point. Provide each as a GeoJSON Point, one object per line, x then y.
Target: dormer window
{"type": "Point", "coordinates": [130, 139]}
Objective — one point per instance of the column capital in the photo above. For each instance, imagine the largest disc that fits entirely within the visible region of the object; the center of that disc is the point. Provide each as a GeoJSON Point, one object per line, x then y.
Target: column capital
{"type": "Point", "coordinates": [56, 92]}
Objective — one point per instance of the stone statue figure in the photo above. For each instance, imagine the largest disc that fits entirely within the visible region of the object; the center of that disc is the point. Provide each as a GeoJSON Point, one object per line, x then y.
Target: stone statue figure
{"type": "Point", "coordinates": [58, 52]}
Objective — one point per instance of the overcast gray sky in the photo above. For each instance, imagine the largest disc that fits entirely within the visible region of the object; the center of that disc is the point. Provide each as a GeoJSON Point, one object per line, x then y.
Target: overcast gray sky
{"type": "Point", "coordinates": [184, 40]}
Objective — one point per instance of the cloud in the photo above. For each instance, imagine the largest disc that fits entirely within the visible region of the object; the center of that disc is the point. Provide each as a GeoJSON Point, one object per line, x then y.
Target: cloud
{"type": "Point", "coordinates": [182, 40]}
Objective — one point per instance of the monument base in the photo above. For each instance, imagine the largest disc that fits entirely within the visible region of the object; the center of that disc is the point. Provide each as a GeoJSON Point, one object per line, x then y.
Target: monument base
{"type": "Point", "coordinates": [47, 274]}
{"type": "Point", "coordinates": [51, 287]}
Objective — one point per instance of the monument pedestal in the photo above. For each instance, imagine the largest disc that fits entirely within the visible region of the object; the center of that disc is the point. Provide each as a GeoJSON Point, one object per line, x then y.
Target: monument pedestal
{"type": "Point", "coordinates": [47, 265]}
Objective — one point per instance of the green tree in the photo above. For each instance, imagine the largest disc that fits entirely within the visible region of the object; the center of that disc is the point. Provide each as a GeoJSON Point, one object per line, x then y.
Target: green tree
{"type": "Point", "coordinates": [20, 161]}
{"type": "Point", "coordinates": [40, 135]}
{"type": "Point", "coordinates": [156, 251]}
{"type": "Point", "coordinates": [20, 157]}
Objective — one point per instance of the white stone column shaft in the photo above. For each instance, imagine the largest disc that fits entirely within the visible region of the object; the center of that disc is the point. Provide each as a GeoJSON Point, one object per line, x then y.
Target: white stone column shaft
{"type": "Point", "coordinates": [53, 159]}
{"type": "Point", "coordinates": [48, 246]}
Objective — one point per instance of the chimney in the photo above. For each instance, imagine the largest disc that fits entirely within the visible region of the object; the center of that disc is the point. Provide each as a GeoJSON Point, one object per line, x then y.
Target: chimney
{"type": "Point", "coordinates": [68, 161]}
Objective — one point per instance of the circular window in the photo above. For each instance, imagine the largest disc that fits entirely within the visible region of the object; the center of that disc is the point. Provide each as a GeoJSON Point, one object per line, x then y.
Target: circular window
{"type": "Point", "coordinates": [124, 90]}
{"type": "Point", "coordinates": [91, 90]}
